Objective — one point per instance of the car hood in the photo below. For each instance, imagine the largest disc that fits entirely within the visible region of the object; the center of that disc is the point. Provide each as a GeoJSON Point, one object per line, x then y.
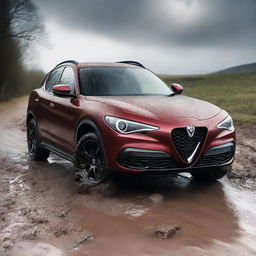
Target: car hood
{"type": "Point", "coordinates": [162, 107]}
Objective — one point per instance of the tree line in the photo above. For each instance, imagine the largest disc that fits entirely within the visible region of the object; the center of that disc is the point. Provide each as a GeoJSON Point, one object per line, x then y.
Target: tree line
{"type": "Point", "coordinates": [20, 26]}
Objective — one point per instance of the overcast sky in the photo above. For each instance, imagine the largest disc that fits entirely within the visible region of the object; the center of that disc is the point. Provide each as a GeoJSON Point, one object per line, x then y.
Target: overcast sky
{"type": "Point", "coordinates": [168, 36]}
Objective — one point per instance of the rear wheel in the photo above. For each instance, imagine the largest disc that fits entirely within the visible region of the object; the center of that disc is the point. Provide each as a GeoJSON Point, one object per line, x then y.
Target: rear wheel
{"type": "Point", "coordinates": [90, 161]}
{"type": "Point", "coordinates": [209, 174]}
{"type": "Point", "coordinates": [35, 150]}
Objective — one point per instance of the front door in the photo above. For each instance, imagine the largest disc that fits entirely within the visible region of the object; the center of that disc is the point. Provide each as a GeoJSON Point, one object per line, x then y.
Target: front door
{"type": "Point", "coordinates": [64, 114]}
{"type": "Point", "coordinates": [45, 117]}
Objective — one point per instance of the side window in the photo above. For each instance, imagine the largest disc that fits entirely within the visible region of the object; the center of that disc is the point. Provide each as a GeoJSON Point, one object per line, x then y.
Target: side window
{"type": "Point", "coordinates": [53, 79]}
{"type": "Point", "coordinates": [68, 77]}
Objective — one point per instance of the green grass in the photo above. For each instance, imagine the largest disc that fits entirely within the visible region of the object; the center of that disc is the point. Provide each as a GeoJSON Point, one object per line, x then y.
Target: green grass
{"type": "Point", "coordinates": [236, 93]}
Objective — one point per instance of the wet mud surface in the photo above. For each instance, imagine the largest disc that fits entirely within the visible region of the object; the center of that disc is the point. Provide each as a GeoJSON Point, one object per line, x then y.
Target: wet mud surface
{"type": "Point", "coordinates": [41, 212]}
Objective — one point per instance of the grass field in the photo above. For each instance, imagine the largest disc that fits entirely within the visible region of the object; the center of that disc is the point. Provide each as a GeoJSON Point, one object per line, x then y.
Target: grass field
{"type": "Point", "coordinates": [236, 93]}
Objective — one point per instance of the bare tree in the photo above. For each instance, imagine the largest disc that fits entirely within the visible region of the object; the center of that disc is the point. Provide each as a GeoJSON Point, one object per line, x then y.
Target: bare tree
{"type": "Point", "coordinates": [19, 19]}
{"type": "Point", "coordinates": [19, 26]}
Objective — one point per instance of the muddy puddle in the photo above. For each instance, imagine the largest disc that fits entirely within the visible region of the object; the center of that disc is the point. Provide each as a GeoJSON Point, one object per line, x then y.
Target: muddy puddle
{"type": "Point", "coordinates": [41, 212]}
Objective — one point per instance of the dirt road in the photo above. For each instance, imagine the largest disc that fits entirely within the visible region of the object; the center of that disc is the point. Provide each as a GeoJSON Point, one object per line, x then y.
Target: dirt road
{"type": "Point", "coordinates": [41, 212]}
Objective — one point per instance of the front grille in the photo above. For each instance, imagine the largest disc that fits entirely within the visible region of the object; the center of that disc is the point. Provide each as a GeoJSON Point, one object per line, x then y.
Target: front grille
{"type": "Point", "coordinates": [149, 163]}
{"type": "Point", "coordinates": [186, 145]}
{"type": "Point", "coordinates": [214, 160]}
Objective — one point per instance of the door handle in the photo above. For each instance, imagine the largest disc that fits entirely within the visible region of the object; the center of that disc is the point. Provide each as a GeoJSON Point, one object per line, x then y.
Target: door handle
{"type": "Point", "coordinates": [51, 105]}
{"type": "Point", "coordinates": [36, 99]}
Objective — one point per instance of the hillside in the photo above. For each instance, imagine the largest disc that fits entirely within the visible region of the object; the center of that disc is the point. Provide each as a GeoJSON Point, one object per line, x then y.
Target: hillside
{"type": "Point", "coordinates": [246, 68]}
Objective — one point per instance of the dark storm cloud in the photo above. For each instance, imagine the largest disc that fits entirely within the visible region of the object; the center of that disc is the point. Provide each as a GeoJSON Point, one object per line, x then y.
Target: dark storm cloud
{"type": "Point", "coordinates": [208, 23]}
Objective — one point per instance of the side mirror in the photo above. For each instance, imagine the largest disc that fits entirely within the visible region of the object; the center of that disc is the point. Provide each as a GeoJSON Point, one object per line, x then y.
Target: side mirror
{"type": "Point", "coordinates": [61, 90]}
{"type": "Point", "coordinates": [177, 88]}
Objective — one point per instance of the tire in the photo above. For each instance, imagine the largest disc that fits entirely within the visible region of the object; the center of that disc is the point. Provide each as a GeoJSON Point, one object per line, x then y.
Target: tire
{"type": "Point", "coordinates": [209, 174]}
{"type": "Point", "coordinates": [90, 161]}
{"type": "Point", "coordinates": [35, 150]}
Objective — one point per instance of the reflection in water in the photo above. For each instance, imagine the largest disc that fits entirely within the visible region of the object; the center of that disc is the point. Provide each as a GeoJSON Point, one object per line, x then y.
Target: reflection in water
{"type": "Point", "coordinates": [201, 210]}
{"type": "Point", "coordinates": [212, 216]}
{"type": "Point", "coordinates": [243, 202]}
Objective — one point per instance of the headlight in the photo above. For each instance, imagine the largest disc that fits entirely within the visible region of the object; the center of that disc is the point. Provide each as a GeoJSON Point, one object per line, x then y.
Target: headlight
{"type": "Point", "coordinates": [226, 124]}
{"type": "Point", "coordinates": [125, 126]}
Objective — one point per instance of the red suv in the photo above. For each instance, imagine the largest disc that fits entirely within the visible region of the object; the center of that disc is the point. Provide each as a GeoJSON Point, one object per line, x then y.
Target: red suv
{"type": "Point", "coordinates": [120, 116]}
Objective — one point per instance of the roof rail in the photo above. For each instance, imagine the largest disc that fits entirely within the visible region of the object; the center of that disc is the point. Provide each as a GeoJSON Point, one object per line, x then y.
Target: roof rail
{"type": "Point", "coordinates": [131, 62]}
{"type": "Point", "coordinates": [68, 61]}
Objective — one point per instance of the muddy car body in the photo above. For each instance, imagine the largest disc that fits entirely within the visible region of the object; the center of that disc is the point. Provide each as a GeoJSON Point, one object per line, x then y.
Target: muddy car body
{"type": "Point", "coordinates": [132, 130]}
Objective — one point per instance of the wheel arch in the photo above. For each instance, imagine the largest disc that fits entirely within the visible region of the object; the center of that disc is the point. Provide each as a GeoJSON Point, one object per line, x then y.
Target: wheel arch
{"type": "Point", "coordinates": [86, 126]}
{"type": "Point", "coordinates": [30, 116]}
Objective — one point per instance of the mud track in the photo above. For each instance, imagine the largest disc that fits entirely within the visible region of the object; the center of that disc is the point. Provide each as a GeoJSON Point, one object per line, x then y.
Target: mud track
{"type": "Point", "coordinates": [41, 212]}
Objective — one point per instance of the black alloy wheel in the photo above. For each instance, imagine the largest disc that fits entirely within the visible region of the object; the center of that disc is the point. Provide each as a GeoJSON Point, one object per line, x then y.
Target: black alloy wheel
{"type": "Point", "coordinates": [89, 159]}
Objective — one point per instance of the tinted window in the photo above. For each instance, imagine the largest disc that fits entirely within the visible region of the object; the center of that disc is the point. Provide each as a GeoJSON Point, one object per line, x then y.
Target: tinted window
{"type": "Point", "coordinates": [53, 79]}
{"type": "Point", "coordinates": [120, 81]}
{"type": "Point", "coordinates": [68, 77]}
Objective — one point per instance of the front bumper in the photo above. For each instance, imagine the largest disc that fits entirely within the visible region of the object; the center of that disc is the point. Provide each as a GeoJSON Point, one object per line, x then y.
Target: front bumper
{"type": "Point", "coordinates": [155, 150]}
{"type": "Point", "coordinates": [153, 160]}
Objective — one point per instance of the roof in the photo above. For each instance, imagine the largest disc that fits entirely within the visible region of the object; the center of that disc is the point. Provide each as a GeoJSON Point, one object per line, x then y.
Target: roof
{"type": "Point", "coordinates": [103, 64]}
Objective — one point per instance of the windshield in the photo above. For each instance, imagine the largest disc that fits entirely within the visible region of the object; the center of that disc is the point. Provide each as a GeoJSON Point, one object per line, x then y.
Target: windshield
{"type": "Point", "coordinates": [101, 81]}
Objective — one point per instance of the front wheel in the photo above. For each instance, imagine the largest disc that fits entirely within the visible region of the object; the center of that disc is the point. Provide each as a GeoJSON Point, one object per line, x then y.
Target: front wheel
{"type": "Point", "coordinates": [209, 174]}
{"type": "Point", "coordinates": [90, 161]}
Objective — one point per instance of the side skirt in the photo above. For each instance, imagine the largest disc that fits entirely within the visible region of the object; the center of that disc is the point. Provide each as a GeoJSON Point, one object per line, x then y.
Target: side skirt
{"type": "Point", "coordinates": [57, 151]}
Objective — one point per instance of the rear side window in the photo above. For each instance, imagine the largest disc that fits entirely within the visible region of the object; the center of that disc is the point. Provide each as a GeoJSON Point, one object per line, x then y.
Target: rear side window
{"type": "Point", "coordinates": [68, 77]}
{"type": "Point", "coordinates": [53, 79]}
